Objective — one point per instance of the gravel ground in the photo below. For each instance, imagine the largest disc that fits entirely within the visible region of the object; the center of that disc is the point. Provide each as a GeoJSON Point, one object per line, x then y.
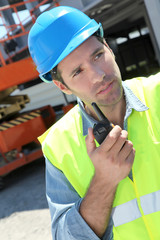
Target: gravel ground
{"type": "Point", "coordinates": [24, 213]}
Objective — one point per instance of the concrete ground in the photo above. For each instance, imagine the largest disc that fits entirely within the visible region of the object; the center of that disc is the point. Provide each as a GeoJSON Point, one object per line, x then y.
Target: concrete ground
{"type": "Point", "coordinates": [24, 213]}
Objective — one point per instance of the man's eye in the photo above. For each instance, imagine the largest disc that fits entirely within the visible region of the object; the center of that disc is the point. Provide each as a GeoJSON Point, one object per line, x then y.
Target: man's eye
{"type": "Point", "coordinates": [98, 55]}
{"type": "Point", "coordinates": [77, 72]}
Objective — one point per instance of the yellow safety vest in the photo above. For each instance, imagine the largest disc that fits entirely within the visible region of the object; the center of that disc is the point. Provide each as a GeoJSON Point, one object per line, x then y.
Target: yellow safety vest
{"type": "Point", "coordinates": [136, 207]}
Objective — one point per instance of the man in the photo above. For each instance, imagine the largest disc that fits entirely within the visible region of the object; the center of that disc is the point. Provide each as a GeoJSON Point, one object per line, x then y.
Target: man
{"type": "Point", "coordinates": [96, 191]}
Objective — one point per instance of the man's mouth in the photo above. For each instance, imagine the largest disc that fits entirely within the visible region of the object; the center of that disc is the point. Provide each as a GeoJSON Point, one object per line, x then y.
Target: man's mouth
{"type": "Point", "coordinates": [106, 88]}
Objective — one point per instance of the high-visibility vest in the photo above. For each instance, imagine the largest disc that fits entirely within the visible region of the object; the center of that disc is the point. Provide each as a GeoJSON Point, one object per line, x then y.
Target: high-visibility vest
{"type": "Point", "coordinates": [136, 207]}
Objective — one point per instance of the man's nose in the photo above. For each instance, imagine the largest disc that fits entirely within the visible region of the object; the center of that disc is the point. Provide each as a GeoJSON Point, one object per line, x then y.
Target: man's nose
{"type": "Point", "coordinates": [98, 74]}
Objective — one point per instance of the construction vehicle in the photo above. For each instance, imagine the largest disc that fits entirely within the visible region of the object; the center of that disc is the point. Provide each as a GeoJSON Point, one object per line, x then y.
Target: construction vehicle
{"type": "Point", "coordinates": [19, 129]}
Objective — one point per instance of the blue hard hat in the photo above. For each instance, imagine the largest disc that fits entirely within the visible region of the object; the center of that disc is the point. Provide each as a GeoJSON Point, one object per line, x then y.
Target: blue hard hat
{"type": "Point", "coordinates": [55, 34]}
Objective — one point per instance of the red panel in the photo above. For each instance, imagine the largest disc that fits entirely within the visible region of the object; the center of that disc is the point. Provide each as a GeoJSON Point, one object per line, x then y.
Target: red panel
{"type": "Point", "coordinates": [23, 160]}
{"type": "Point", "coordinates": [17, 136]}
{"type": "Point", "coordinates": [17, 73]}
{"type": "Point", "coordinates": [21, 134]}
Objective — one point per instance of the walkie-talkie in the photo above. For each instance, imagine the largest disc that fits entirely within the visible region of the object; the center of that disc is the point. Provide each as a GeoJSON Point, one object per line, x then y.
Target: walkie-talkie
{"type": "Point", "coordinates": [103, 127]}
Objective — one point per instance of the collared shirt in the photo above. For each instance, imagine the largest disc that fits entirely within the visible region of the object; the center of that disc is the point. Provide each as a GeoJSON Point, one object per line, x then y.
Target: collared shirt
{"type": "Point", "coordinates": [62, 198]}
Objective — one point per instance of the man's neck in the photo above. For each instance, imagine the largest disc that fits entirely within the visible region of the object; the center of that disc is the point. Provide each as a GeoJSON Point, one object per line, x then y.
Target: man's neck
{"type": "Point", "coordinates": [114, 113]}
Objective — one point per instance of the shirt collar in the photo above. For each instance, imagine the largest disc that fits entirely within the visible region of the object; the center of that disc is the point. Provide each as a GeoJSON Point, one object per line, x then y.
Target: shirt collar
{"type": "Point", "coordinates": [132, 102]}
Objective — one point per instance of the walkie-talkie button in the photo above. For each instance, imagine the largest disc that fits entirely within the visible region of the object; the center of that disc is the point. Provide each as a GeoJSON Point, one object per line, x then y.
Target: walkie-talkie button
{"type": "Point", "coordinates": [101, 130]}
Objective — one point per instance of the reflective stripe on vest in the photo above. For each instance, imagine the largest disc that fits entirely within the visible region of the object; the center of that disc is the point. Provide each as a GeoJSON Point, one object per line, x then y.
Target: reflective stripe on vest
{"type": "Point", "coordinates": [129, 211]}
{"type": "Point", "coordinates": [151, 202]}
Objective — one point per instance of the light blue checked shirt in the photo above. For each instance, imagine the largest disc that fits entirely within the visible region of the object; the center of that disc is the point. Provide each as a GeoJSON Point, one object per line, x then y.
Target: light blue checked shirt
{"type": "Point", "coordinates": [63, 200]}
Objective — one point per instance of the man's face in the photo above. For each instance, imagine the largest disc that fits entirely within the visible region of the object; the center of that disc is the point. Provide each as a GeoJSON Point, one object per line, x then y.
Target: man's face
{"type": "Point", "coordinates": [91, 73]}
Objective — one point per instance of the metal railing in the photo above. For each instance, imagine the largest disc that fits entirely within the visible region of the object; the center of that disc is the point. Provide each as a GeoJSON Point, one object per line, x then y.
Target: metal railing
{"type": "Point", "coordinates": [18, 30]}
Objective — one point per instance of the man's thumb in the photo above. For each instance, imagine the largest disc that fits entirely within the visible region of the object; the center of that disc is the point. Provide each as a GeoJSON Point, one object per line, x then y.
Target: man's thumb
{"type": "Point", "coordinates": [90, 143]}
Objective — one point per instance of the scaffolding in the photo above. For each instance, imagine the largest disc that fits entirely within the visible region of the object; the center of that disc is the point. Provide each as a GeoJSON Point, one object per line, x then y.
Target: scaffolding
{"type": "Point", "coordinates": [14, 31]}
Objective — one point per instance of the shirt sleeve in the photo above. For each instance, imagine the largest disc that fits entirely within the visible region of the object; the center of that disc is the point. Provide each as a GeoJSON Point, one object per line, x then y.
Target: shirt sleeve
{"type": "Point", "coordinates": [64, 204]}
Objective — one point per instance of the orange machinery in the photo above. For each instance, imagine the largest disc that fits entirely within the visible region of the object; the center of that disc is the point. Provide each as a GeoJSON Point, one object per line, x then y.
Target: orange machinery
{"type": "Point", "coordinates": [18, 136]}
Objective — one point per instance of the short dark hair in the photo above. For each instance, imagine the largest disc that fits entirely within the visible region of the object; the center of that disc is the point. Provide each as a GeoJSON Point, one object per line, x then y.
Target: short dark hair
{"type": "Point", "coordinates": [56, 75]}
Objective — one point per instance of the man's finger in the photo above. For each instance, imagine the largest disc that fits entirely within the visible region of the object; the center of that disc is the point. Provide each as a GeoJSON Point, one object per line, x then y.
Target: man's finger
{"type": "Point", "coordinates": [111, 138]}
{"type": "Point", "coordinates": [90, 143]}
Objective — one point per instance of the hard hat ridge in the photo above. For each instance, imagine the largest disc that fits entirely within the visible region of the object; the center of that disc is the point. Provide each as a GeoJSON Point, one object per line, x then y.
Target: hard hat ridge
{"type": "Point", "coordinates": [55, 34]}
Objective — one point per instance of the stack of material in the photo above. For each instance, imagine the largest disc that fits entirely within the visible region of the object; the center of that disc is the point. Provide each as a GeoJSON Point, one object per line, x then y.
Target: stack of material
{"type": "Point", "coordinates": [11, 105]}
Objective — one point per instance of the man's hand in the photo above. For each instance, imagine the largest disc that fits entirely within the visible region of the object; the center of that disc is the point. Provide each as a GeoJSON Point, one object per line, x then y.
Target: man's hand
{"type": "Point", "coordinates": [113, 161]}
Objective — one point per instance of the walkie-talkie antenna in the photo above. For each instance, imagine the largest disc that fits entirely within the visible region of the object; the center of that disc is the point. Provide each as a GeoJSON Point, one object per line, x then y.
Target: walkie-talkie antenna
{"type": "Point", "coordinates": [99, 113]}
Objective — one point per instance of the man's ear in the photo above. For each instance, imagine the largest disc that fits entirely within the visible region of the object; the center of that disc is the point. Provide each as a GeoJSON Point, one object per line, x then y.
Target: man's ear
{"type": "Point", "coordinates": [62, 87]}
